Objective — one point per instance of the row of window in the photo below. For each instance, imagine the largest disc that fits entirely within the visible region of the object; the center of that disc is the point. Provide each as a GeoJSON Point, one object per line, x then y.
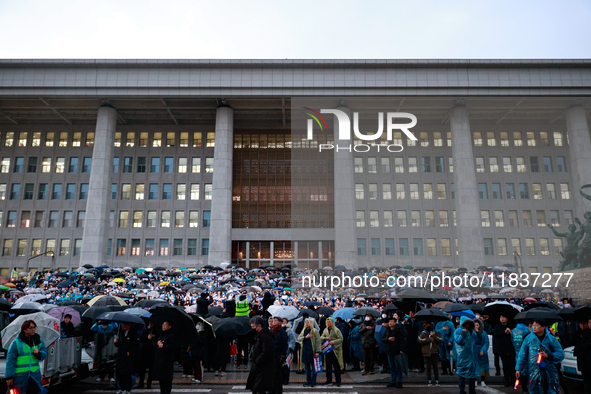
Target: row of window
{"type": "Point", "coordinates": [520, 165]}
{"type": "Point", "coordinates": [151, 219]}
{"type": "Point", "coordinates": [43, 190]}
{"type": "Point", "coordinates": [441, 189]}
{"type": "Point", "coordinates": [444, 247]}
{"type": "Point", "coordinates": [416, 218]}
{"type": "Point", "coordinates": [122, 249]}
{"type": "Point", "coordinates": [545, 138]}
{"type": "Point", "coordinates": [129, 139]}
{"type": "Point", "coordinates": [141, 165]}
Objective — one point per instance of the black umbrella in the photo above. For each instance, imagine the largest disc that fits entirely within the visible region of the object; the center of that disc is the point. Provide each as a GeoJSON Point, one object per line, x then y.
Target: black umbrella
{"type": "Point", "coordinates": [207, 326]}
{"type": "Point", "coordinates": [149, 303]}
{"type": "Point", "coordinates": [312, 303]}
{"type": "Point", "coordinates": [208, 267]}
{"type": "Point", "coordinates": [455, 308]}
{"type": "Point", "coordinates": [89, 279]}
{"type": "Point", "coordinates": [539, 313]}
{"type": "Point", "coordinates": [365, 311]}
{"type": "Point", "coordinates": [88, 266]}
{"type": "Point", "coordinates": [310, 313]}
{"type": "Point", "coordinates": [406, 305]}
{"type": "Point", "coordinates": [417, 295]}
{"type": "Point", "coordinates": [159, 269]}
{"type": "Point", "coordinates": [143, 276]}
{"type": "Point", "coordinates": [62, 274]}
{"type": "Point", "coordinates": [567, 314]}
{"type": "Point", "coordinates": [325, 310]}
{"type": "Point", "coordinates": [583, 313]}
{"type": "Point", "coordinates": [95, 311]}
{"type": "Point", "coordinates": [65, 283]}
{"type": "Point", "coordinates": [433, 314]}
{"type": "Point", "coordinates": [120, 317]}
{"type": "Point", "coordinates": [68, 303]}
{"type": "Point", "coordinates": [477, 307]}
{"type": "Point", "coordinates": [5, 305]}
{"type": "Point", "coordinates": [539, 304]}
{"type": "Point", "coordinates": [176, 273]}
{"type": "Point", "coordinates": [232, 327]}
{"type": "Point", "coordinates": [215, 310]}
{"type": "Point", "coordinates": [181, 322]}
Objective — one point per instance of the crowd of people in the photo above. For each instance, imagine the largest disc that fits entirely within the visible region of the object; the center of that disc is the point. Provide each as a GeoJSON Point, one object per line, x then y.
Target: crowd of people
{"type": "Point", "coordinates": [332, 331]}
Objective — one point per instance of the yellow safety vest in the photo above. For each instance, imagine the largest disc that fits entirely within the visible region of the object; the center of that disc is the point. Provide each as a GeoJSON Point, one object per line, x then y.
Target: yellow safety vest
{"type": "Point", "coordinates": [242, 308]}
{"type": "Point", "coordinates": [25, 362]}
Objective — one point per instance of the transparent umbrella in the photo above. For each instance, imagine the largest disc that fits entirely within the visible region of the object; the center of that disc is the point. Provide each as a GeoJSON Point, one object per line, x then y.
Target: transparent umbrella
{"type": "Point", "coordinates": [48, 328]}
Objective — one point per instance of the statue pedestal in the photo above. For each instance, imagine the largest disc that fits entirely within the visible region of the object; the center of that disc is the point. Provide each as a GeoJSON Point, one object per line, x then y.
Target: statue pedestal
{"type": "Point", "coordinates": [579, 288]}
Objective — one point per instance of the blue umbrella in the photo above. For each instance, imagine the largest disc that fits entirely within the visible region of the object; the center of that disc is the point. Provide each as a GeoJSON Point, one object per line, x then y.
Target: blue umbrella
{"type": "Point", "coordinates": [103, 266]}
{"type": "Point", "coordinates": [468, 313]}
{"type": "Point", "coordinates": [310, 303]}
{"type": "Point", "coordinates": [344, 313]}
{"type": "Point", "coordinates": [138, 312]}
{"type": "Point", "coordinates": [120, 317]}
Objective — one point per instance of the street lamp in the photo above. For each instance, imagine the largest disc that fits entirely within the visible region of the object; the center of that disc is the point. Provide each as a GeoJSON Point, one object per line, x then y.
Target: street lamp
{"type": "Point", "coordinates": [520, 265]}
{"type": "Point", "coordinates": [50, 252]}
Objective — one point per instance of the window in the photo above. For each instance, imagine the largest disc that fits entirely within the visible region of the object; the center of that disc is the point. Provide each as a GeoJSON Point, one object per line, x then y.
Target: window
{"type": "Point", "coordinates": [426, 163]}
{"type": "Point", "coordinates": [361, 247]}
{"type": "Point", "coordinates": [68, 219]}
{"type": "Point", "coordinates": [564, 191]}
{"type": "Point", "coordinates": [530, 248]}
{"type": "Point", "coordinates": [155, 165]}
{"type": "Point", "coordinates": [527, 220]}
{"type": "Point", "coordinates": [73, 167]}
{"type": "Point", "coordinates": [533, 164]}
{"type": "Point", "coordinates": [385, 165]}
{"type": "Point", "coordinates": [560, 164]}
{"type": "Point", "coordinates": [359, 165]}
{"type": "Point", "coordinates": [441, 192]}
{"type": "Point", "coordinates": [193, 219]}
{"type": "Point", "coordinates": [135, 247]}
{"type": "Point", "coordinates": [403, 245]}
{"type": "Point", "coordinates": [18, 164]}
{"type": "Point", "coordinates": [177, 247]}
{"type": "Point", "coordinates": [402, 219]}
{"type": "Point", "coordinates": [568, 217]}
{"type": "Point", "coordinates": [129, 141]}
{"type": "Point", "coordinates": [417, 245]}
{"type": "Point", "coordinates": [374, 219]}
{"type": "Point", "coordinates": [152, 219]}
{"type": "Point", "coordinates": [398, 165]}
{"type": "Point", "coordinates": [179, 219]}
{"type": "Point", "coordinates": [412, 164]}
{"type": "Point", "coordinates": [516, 245]}
{"type": "Point", "coordinates": [493, 164]}
{"type": "Point", "coordinates": [141, 164]}
{"type": "Point", "coordinates": [157, 141]}
{"type": "Point", "coordinates": [153, 193]}
{"type": "Point", "coordinates": [35, 247]}
{"type": "Point", "coordinates": [90, 138]}
{"type": "Point", "coordinates": [424, 137]}
{"type": "Point", "coordinates": [208, 191]}
{"type": "Point", "coordinates": [121, 247]}
{"type": "Point", "coordinates": [168, 165]}
{"type": "Point", "coordinates": [210, 141]}
{"type": "Point", "coordinates": [53, 219]}
{"type": "Point", "coordinates": [499, 219]}
{"type": "Point", "coordinates": [488, 247]}
{"type": "Point", "coordinates": [81, 219]}
{"type": "Point", "coordinates": [400, 192]}
{"type": "Point", "coordinates": [15, 191]}
{"type": "Point", "coordinates": [523, 191]}
{"type": "Point", "coordinates": [541, 218]}
{"type": "Point", "coordinates": [115, 165]}
{"type": "Point", "coordinates": [429, 218]}
{"type": "Point", "coordinates": [7, 246]}
{"type": "Point", "coordinates": [482, 191]}
{"type": "Point", "coordinates": [196, 165]}
{"type": "Point", "coordinates": [554, 220]}
{"type": "Point", "coordinates": [485, 218]}
{"type": "Point", "coordinates": [415, 218]}
{"type": "Point", "coordinates": [359, 191]}
{"type": "Point", "coordinates": [520, 164]}
{"type": "Point", "coordinates": [87, 164]}
{"type": "Point", "coordinates": [2, 191]}
{"type": "Point", "coordinates": [491, 140]}
{"type": "Point", "coordinates": [127, 164]}
{"type": "Point", "coordinates": [11, 219]}
{"type": "Point", "coordinates": [477, 139]}
{"type": "Point", "coordinates": [184, 140]}
{"type": "Point", "coordinates": [170, 137]}
{"type": "Point", "coordinates": [388, 219]}
{"type": "Point", "coordinates": [64, 247]}
{"type": "Point", "coordinates": [63, 139]}
{"type": "Point", "coordinates": [373, 191]}
{"type": "Point", "coordinates": [9, 139]}
{"type": "Point", "coordinates": [375, 247]}
{"type": "Point", "coordinates": [437, 140]}
{"type": "Point", "coordinates": [507, 166]}
{"type": "Point", "coordinates": [513, 219]}
{"type": "Point", "coordinates": [431, 247]}
{"type": "Point", "coordinates": [443, 219]}
{"type": "Point", "coordinates": [206, 218]}
{"type": "Point", "coordinates": [557, 246]}
{"type": "Point", "coordinates": [531, 140]}
{"type": "Point", "coordinates": [123, 219]}
{"type": "Point", "coordinates": [414, 191]}
{"type": "Point", "coordinates": [126, 191]}
{"type": "Point", "coordinates": [544, 138]}
{"type": "Point", "coordinates": [165, 219]}
{"type": "Point", "coordinates": [439, 164]}
{"type": "Point", "coordinates": [167, 191]}
{"type": "Point", "coordinates": [138, 217]}
{"type": "Point", "coordinates": [387, 191]}
{"type": "Point", "coordinates": [109, 247]}
{"type": "Point", "coordinates": [517, 141]}
{"type": "Point", "coordinates": [25, 219]}
{"type": "Point", "coordinates": [39, 216]}
{"type": "Point", "coordinates": [194, 191]}
{"type": "Point", "coordinates": [427, 191]}
{"type": "Point", "coordinates": [113, 191]}
{"type": "Point", "coordinates": [372, 166]}
{"type": "Point", "coordinates": [445, 247]}
{"type": "Point", "coordinates": [389, 246]}
{"type": "Point", "coordinates": [537, 187]}
{"type": "Point", "coordinates": [139, 191]}
{"type": "Point", "coordinates": [36, 139]}
{"type": "Point", "coordinates": [510, 190]}
{"type": "Point", "coordinates": [496, 191]}
{"type": "Point", "coordinates": [83, 191]}
{"type": "Point", "coordinates": [205, 245]}
{"type": "Point", "coordinates": [29, 191]}
{"type": "Point", "coordinates": [182, 165]}
{"type": "Point", "coordinates": [111, 219]}
{"type": "Point", "coordinates": [557, 138]}
{"type": "Point", "coordinates": [197, 139]}
{"type": "Point", "coordinates": [181, 191]}
{"type": "Point", "coordinates": [5, 167]}
{"type": "Point", "coordinates": [547, 164]}
{"type": "Point", "coordinates": [143, 139]}
{"type": "Point", "coordinates": [502, 246]}
{"type": "Point", "coordinates": [544, 247]}
{"type": "Point", "coordinates": [360, 215]}
{"type": "Point", "coordinates": [480, 164]}
{"type": "Point", "coordinates": [32, 167]}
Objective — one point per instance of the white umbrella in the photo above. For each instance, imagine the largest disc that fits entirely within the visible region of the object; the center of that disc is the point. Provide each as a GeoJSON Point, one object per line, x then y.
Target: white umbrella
{"type": "Point", "coordinates": [507, 290]}
{"type": "Point", "coordinates": [191, 309]}
{"type": "Point", "coordinates": [48, 307]}
{"type": "Point", "coordinates": [48, 328]}
{"type": "Point", "coordinates": [34, 291]}
{"type": "Point", "coordinates": [31, 298]}
{"type": "Point", "coordinates": [289, 312]}
{"type": "Point", "coordinates": [547, 291]}
{"type": "Point", "coordinates": [35, 306]}
{"type": "Point", "coordinates": [153, 294]}
{"type": "Point", "coordinates": [112, 284]}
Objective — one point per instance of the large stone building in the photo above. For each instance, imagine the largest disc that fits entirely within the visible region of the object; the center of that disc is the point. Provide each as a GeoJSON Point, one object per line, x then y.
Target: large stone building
{"type": "Point", "coordinates": [185, 163]}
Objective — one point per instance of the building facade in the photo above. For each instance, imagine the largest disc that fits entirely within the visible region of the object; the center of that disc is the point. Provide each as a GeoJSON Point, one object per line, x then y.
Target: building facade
{"type": "Point", "coordinates": [188, 163]}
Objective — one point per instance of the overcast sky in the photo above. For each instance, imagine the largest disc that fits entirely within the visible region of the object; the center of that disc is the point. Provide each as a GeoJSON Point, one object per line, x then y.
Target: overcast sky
{"type": "Point", "coordinates": [295, 29]}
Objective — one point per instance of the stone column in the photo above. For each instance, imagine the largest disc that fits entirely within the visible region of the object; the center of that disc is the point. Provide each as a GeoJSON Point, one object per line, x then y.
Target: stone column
{"type": "Point", "coordinates": [467, 205]}
{"type": "Point", "coordinates": [220, 233]}
{"type": "Point", "coordinates": [580, 156]}
{"type": "Point", "coordinates": [344, 196]}
{"type": "Point", "coordinates": [94, 239]}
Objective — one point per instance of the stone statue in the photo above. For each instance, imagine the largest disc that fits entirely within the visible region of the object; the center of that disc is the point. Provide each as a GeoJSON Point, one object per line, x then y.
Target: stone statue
{"type": "Point", "coordinates": [571, 251]}
{"type": "Point", "coordinates": [584, 255]}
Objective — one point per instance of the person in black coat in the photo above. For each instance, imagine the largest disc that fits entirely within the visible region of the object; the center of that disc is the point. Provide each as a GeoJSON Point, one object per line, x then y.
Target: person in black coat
{"type": "Point", "coordinates": [147, 350]}
{"type": "Point", "coordinates": [506, 350]}
{"type": "Point", "coordinates": [67, 327]}
{"type": "Point", "coordinates": [344, 327]}
{"type": "Point", "coordinates": [268, 300]}
{"type": "Point", "coordinates": [393, 338]}
{"type": "Point", "coordinates": [128, 346]}
{"type": "Point", "coordinates": [203, 303]}
{"type": "Point", "coordinates": [166, 350]}
{"type": "Point", "coordinates": [198, 344]}
{"type": "Point", "coordinates": [263, 356]}
{"type": "Point", "coordinates": [280, 346]}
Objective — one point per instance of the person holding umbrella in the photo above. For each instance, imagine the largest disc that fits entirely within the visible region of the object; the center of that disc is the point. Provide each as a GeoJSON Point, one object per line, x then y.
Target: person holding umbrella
{"type": "Point", "coordinates": [166, 350]}
{"type": "Point", "coordinates": [263, 354]}
{"type": "Point", "coordinates": [22, 360]}
{"type": "Point", "coordinates": [128, 344]}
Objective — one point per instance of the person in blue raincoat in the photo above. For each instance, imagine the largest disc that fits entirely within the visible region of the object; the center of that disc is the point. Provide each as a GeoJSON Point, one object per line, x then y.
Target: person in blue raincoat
{"type": "Point", "coordinates": [446, 330]}
{"type": "Point", "coordinates": [22, 360]}
{"type": "Point", "coordinates": [540, 353]}
{"type": "Point", "coordinates": [518, 335]}
{"type": "Point", "coordinates": [467, 343]}
{"type": "Point", "coordinates": [355, 345]}
{"type": "Point", "coordinates": [482, 352]}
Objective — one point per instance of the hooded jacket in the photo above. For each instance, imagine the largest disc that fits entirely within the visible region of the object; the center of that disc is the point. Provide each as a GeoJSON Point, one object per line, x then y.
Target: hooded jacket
{"type": "Point", "coordinates": [467, 344]}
